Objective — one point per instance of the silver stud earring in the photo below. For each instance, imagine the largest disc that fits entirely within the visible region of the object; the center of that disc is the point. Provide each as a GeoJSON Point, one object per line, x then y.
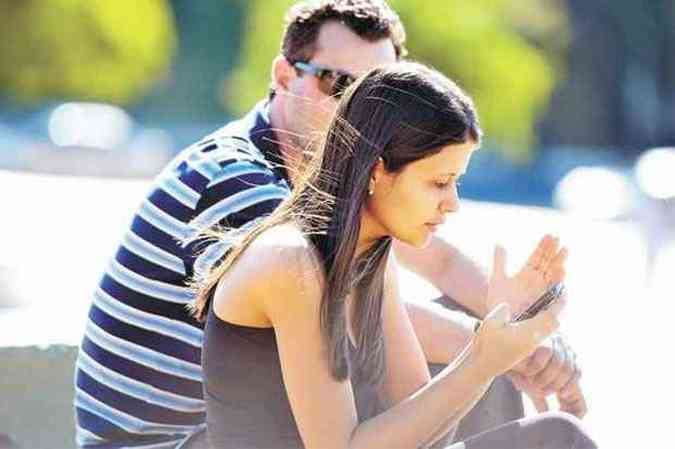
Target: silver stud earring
{"type": "Point", "coordinates": [371, 191]}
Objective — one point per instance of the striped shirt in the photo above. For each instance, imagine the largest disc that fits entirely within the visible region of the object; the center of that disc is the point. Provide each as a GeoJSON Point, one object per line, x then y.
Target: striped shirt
{"type": "Point", "coordinates": [138, 380]}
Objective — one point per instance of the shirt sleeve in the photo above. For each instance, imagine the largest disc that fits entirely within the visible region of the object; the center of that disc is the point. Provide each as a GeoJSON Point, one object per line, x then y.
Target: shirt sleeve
{"type": "Point", "coordinates": [245, 189]}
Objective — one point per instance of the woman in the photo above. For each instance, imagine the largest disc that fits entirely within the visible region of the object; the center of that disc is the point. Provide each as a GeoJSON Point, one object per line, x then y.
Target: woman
{"type": "Point", "coordinates": [303, 316]}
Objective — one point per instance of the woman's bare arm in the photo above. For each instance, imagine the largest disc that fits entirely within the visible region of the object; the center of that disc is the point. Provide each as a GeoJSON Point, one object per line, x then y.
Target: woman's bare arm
{"type": "Point", "coordinates": [284, 285]}
{"type": "Point", "coordinates": [407, 369]}
{"type": "Point", "coordinates": [324, 408]}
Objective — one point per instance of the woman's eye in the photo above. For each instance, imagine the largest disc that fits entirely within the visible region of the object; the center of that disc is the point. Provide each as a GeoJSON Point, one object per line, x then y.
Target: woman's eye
{"type": "Point", "coordinates": [443, 185]}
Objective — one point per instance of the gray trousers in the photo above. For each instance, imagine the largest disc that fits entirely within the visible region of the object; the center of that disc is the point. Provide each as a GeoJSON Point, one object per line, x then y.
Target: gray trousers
{"type": "Point", "coordinates": [497, 421]}
{"type": "Point", "coordinates": [549, 430]}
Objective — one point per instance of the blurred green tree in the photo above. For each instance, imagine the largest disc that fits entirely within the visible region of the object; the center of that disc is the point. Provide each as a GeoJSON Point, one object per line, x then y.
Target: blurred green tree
{"type": "Point", "coordinates": [506, 53]}
{"type": "Point", "coordinates": [108, 50]}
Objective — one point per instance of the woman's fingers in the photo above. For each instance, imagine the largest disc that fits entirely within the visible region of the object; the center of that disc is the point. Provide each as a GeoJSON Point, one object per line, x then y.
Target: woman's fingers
{"type": "Point", "coordinates": [499, 264]}
{"type": "Point", "coordinates": [536, 257]}
{"type": "Point", "coordinates": [504, 343]}
{"type": "Point", "coordinates": [549, 254]}
{"type": "Point", "coordinates": [547, 262]}
{"type": "Point", "coordinates": [556, 270]}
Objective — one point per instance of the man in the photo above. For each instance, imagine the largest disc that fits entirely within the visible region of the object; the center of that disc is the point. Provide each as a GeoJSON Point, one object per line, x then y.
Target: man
{"type": "Point", "coordinates": [138, 380]}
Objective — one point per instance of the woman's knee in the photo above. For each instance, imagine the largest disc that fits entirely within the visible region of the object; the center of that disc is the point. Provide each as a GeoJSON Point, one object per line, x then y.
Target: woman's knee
{"type": "Point", "coordinates": [566, 430]}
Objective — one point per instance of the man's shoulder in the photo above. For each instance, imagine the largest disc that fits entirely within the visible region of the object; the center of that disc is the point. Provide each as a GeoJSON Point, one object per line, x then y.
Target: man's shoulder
{"type": "Point", "coordinates": [229, 147]}
{"type": "Point", "coordinates": [231, 143]}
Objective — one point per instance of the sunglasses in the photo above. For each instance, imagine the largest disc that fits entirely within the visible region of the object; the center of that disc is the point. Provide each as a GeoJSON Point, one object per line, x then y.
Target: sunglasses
{"type": "Point", "coordinates": [331, 82]}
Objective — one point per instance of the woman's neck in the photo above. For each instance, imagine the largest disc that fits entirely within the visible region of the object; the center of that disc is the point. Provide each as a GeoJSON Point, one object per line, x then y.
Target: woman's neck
{"type": "Point", "coordinates": [369, 234]}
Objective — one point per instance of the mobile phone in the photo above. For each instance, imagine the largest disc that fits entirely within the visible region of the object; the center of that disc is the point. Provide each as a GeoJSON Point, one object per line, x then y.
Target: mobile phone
{"type": "Point", "coordinates": [544, 302]}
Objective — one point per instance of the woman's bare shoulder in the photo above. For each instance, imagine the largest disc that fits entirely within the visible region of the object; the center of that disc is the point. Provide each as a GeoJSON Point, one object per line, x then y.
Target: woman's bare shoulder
{"type": "Point", "coordinates": [283, 249]}
{"type": "Point", "coordinates": [280, 263]}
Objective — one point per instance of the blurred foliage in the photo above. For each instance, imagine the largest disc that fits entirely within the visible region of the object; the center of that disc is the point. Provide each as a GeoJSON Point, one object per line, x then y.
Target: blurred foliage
{"type": "Point", "coordinates": [209, 33]}
{"type": "Point", "coordinates": [505, 53]}
{"type": "Point", "coordinates": [250, 79]}
{"type": "Point", "coordinates": [103, 50]}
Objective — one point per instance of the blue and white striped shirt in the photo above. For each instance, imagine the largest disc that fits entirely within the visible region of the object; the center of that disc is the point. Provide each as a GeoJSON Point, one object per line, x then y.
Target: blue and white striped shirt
{"type": "Point", "coordinates": [138, 380]}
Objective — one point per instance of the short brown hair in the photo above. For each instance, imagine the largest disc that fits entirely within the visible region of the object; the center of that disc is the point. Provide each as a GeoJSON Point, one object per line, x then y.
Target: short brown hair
{"type": "Point", "coordinates": [369, 19]}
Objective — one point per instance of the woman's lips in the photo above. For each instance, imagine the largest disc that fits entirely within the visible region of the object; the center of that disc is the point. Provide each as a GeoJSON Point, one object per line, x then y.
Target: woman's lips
{"type": "Point", "coordinates": [434, 225]}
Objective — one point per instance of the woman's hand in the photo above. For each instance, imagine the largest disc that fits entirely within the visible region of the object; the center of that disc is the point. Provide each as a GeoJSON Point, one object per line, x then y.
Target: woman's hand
{"type": "Point", "coordinates": [544, 268]}
{"type": "Point", "coordinates": [501, 344]}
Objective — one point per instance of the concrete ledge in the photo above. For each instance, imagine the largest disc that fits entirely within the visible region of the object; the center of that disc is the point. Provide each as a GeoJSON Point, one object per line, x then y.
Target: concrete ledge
{"type": "Point", "coordinates": [36, 387]}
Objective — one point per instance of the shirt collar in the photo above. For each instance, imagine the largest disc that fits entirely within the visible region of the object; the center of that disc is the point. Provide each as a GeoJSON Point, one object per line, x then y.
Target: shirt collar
{"type": "Point", "coordinates": [264, 138]}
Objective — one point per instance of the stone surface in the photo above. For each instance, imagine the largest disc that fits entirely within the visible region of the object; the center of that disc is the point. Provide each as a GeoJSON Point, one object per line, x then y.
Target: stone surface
{"type": "Point", "coordinates": [36, 394]}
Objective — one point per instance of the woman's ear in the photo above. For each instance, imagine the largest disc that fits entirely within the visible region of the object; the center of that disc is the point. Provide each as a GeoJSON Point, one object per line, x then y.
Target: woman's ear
{"type": "Point", "coordinates": [283, 73]}
{"type": "Point", "coordinates": [378, 175]}
{"type": "Point", "coordinates": [380, 170]}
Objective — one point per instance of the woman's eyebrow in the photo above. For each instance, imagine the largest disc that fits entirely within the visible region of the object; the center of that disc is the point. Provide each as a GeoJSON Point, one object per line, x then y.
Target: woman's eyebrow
{"type": "Point", "coordinates": [451, 174]}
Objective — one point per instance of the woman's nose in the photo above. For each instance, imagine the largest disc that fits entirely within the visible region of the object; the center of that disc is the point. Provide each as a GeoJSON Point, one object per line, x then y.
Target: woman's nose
{"type": "Point", "coordinates": [450, 203]}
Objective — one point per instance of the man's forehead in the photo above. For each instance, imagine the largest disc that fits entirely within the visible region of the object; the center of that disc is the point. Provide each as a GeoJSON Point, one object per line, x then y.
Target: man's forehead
{"type": "Point", "coordinates": [340, 48]}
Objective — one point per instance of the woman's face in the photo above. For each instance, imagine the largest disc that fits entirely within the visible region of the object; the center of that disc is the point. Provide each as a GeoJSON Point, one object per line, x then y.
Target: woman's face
{"type": "Point", "coordinates": [410, 204]}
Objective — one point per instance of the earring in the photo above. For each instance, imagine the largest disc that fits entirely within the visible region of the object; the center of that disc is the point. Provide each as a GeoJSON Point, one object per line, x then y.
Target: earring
{"type": "Point", "coordinates": [371, 191]}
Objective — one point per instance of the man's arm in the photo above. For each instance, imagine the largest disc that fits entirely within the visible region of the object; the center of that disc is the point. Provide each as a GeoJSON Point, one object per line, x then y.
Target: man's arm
{"type": "Point", "coordinates": [446, 268]}
{"type": "Point", "coordinates": [443, 333]}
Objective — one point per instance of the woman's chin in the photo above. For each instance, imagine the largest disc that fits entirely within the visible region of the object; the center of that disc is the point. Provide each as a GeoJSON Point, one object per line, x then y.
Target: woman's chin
{"type": "Point", "coordinates": [419, 241]}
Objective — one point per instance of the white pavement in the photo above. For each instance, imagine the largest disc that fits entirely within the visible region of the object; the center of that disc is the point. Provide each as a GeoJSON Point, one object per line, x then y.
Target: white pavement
{"type": "Point", "coordinates": [58, 233]}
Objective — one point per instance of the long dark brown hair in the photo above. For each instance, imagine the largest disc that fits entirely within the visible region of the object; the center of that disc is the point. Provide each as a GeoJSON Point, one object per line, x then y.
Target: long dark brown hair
{"type": "Point", "coordinates": [400, 113]}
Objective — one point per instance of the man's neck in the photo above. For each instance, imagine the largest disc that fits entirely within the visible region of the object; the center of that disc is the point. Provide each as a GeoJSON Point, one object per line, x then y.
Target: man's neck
{"type": "Point", "coordinates": [289, 147]}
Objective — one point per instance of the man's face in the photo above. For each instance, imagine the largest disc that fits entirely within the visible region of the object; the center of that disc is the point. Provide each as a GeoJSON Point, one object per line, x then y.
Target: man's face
{"type": "Point", "coordinates": [308, 109]}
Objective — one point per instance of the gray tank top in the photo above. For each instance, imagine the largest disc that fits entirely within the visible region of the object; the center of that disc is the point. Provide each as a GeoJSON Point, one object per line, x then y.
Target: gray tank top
{"type": "Point", "coordinates": [246, 402]}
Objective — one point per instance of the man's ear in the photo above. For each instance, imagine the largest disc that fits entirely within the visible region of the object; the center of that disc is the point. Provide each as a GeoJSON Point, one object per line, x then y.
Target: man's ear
{"type": "Point", "coordinates": [283, 73]}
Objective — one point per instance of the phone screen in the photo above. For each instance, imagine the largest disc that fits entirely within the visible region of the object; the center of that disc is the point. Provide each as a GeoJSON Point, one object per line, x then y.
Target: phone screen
{"type": "Point", "coordinates": [544, 302]}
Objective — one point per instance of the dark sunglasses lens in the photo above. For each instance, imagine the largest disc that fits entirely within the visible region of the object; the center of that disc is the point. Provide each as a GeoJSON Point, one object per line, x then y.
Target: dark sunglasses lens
{"type": "Point", "coordinates": [341, 84]}
{"type": "Point", "coordinates": [336, 86]}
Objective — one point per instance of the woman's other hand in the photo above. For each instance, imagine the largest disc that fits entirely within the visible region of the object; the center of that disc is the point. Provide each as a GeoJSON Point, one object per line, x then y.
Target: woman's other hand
{"type": "Point", "coordinates": [544, 268]}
